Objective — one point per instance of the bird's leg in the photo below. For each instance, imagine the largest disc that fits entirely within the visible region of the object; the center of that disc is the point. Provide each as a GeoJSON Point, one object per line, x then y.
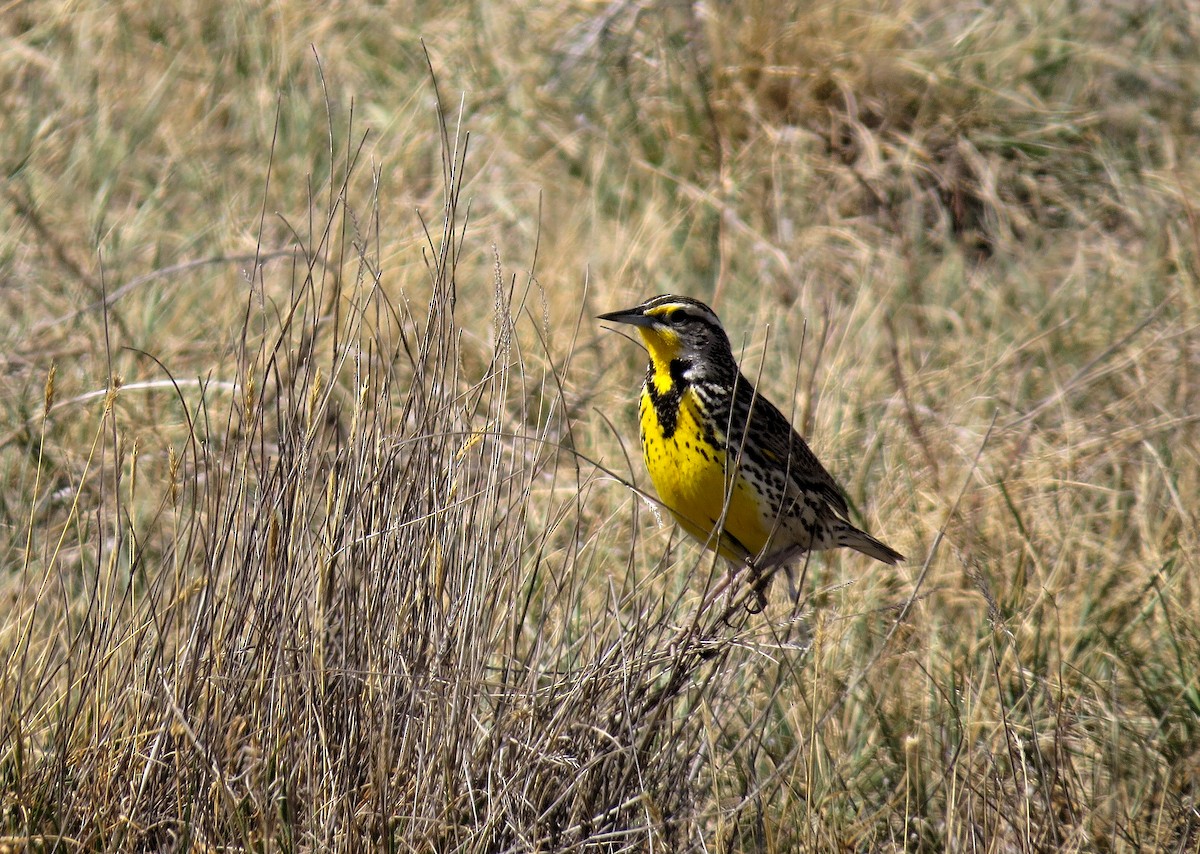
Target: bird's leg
{"type": "Point", "coordinates": [760, 582]}
{"type": "Point", "coordinates": [793, 590]}
{"type": "Point", "coordinates": [729, 596]}
{"type": "Point", "coordinates": [762, 569]}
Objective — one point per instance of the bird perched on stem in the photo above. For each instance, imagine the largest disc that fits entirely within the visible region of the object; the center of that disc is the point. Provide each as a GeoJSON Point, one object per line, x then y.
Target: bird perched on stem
{"type": "Point", "coordinates": [724, 460]}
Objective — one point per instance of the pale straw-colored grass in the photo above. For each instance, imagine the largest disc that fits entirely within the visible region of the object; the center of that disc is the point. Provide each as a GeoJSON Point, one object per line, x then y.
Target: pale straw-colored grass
{"type": "Point", "coordinates": [323, 524]}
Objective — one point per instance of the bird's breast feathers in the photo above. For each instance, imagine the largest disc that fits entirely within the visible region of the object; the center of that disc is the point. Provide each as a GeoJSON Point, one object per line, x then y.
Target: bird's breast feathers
{"type": "Point", "coordinates": [692, 478]}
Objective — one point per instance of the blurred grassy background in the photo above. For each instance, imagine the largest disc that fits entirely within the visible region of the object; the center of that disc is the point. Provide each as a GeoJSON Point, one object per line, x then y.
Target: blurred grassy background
{"type": "Point", "coordinates": [304, 539]}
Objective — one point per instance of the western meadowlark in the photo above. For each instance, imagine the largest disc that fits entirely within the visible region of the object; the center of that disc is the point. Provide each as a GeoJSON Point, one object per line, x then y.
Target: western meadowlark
{"type": "Point", "coordinates": [724, 460]}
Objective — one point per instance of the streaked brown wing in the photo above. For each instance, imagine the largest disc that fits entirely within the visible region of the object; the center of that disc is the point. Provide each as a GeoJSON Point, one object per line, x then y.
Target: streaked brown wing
{"type": "Point", "coordinates": [781, 446]}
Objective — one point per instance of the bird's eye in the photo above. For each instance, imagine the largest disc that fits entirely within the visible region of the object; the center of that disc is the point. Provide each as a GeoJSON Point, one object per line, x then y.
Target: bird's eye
{"type": "Point", "coordinates": [677, 317]}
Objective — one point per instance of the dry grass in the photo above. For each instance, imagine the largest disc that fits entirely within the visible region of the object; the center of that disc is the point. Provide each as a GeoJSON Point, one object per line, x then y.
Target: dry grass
{"type": "Point", "coordinates": [322, 529]}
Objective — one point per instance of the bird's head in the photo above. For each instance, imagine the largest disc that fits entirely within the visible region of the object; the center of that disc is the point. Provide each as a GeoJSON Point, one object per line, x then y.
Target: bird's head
{"type": "Point", "coordinates": [683, 336]}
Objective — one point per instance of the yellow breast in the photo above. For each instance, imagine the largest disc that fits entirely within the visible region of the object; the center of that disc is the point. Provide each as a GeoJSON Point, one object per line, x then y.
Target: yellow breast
{"type": "Point", "coordinates": [690, 477]}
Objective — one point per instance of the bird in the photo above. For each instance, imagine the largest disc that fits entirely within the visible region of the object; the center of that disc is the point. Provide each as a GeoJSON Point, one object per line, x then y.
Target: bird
{"type": "Point", "coordinates": [726, 463]}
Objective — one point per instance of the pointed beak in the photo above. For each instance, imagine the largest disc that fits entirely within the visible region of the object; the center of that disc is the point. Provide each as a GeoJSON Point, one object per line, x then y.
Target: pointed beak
{"type": "Point", "coordinates": [632, 316]}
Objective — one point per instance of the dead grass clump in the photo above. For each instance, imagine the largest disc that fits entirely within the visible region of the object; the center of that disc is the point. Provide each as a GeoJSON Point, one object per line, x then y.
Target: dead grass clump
{"type": "Point", "coordinates": [346, 620]}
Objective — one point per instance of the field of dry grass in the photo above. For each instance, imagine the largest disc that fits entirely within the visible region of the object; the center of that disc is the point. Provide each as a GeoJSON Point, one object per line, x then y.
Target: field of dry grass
{"type": "Point", "coordinates": [323, 524]}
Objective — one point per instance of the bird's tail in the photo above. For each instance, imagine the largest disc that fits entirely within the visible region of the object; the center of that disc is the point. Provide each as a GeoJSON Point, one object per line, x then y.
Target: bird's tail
{"type": "Point", "coordinates": [861, 541]}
